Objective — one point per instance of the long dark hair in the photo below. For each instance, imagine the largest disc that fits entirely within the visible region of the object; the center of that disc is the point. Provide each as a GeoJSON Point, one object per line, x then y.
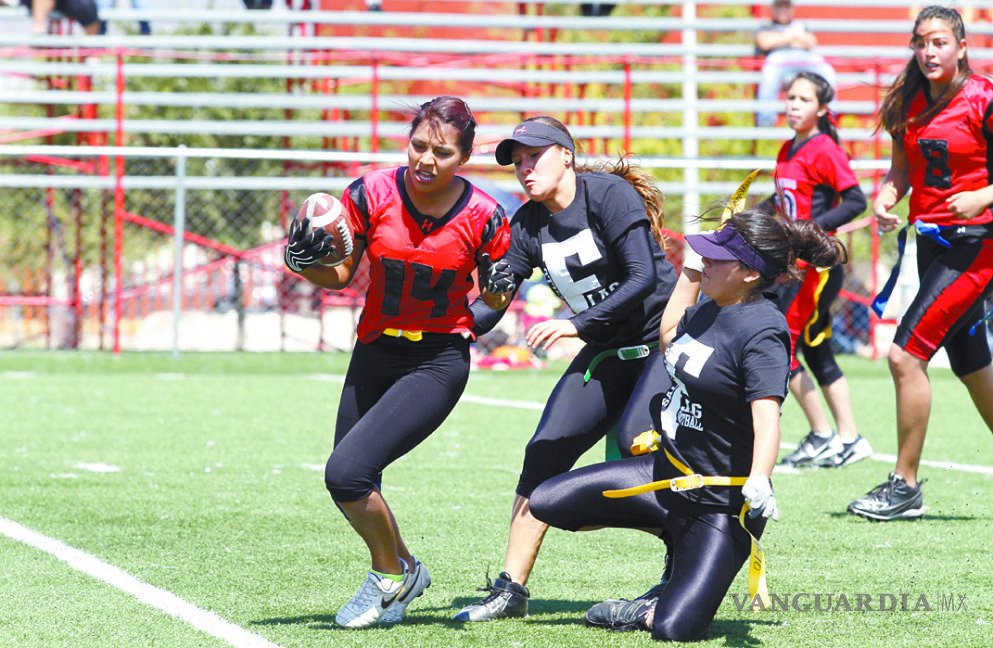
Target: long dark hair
{"type": "Point", "coordinates": [447, 110]}
{"type": "Point", "coordinates": [893, 113]}
{"type": "Point", "coordinates": [642, 181]}
{"type": "Point", "coordinates": [783, 241]}
{"type": "Point", "coordinates": [825, 95]}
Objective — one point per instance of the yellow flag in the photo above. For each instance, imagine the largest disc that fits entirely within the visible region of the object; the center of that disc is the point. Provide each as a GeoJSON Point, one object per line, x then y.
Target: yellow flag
{"type": "Point", "coordinates": [737, 202]}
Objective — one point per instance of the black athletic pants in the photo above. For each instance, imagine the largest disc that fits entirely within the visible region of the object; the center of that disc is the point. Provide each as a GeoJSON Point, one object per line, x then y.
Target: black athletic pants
{"type": "Point", "coordinates": [708, 544]}
{"type": "Point", "coordinates": [578, 413]}
{"type": "Point", "coordinates": [397, 392]}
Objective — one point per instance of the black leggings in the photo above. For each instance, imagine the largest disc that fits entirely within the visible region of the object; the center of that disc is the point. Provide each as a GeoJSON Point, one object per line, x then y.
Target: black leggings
{"type": "Point", "coordinates": [820, 358]}
{"type": "Point", "coordinates": [708, 545]}
{"type": "Point", "coordinates": [579, 414]}
{"type": "Point", "coordinates": [396, 393]}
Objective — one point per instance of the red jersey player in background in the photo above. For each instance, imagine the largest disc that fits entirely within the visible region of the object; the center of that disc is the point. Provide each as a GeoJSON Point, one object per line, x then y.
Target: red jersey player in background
{"type": "Point", "coordinates": [424, 230]}
{"type": "Point", "coordinates": [939, 115]}
{"type": "Point", "coordinates": [814, 181]}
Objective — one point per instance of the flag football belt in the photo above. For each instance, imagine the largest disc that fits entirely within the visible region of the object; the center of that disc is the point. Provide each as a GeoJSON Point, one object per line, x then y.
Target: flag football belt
{"type": "Point", "coordinates": [413, 336]}
{"type": "Point", "coordinates": [943, 235]}
{"type": "Point", "coordinates": [758, 591]}
{"type": "Point", "coordinates": [624, 353]}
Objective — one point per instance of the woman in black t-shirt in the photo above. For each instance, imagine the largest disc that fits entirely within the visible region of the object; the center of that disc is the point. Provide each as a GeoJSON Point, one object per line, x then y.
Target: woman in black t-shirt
{"type": "Point", "coordinates": [727, 371]}
{"type": "Point", "coordinates": [596, 236]}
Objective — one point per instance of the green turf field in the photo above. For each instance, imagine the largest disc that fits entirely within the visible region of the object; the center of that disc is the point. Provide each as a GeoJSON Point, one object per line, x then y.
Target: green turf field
{"type": "Point", "coordinates": [150, 501]}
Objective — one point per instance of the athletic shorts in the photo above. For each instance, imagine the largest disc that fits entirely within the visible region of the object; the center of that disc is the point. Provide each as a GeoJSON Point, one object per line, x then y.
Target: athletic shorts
{"type": "Point", "coordinates": [954, 285]}
{"type": "Point", "coordinates": [82, 11]}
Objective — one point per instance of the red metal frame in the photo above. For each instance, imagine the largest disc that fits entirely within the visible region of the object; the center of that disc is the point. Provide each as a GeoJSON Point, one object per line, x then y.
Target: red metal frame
{"type": "Point", "coordinates": [376, 60]}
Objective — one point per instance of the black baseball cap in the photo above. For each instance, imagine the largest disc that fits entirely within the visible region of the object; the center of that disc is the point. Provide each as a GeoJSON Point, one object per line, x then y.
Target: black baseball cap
{"type": "Point", "coordinates": [532, 133]}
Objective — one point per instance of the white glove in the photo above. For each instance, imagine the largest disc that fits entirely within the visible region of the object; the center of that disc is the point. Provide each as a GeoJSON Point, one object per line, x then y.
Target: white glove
{"type": "Point", "coordinates": [759, 497]}
{"type": "Point", "coordinates": [692, 260]}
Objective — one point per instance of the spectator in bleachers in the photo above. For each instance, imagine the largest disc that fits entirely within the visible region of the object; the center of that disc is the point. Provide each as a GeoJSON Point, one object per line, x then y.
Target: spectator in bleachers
{"type": "Point", "coordinates": [82, 11]}
{"type": "Point", "coordinates": [144, 28]}
{"type": "Point", "coordinates": [788, 49]}
{"type": "Point", "coordinates": [596, 9]}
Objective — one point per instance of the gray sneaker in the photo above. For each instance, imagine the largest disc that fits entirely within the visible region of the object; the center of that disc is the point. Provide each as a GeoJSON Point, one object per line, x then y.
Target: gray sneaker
{"type": "Point", "coordinates": [813, 448]}
{"type": "Point", "coordinates": [505, 599]}
{"type": "Point", "coordinates": [891, 500]}
{"type": "Point", "coordinates": [621, 615]}
{"type": "Point", "coordinates": [850, 453]}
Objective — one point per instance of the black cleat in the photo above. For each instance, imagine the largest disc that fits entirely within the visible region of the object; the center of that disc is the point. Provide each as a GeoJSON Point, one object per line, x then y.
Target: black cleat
{"type": "Point", "coordinates": [891, 500]}
{"type": "Point", "coordinates": [622, 616]}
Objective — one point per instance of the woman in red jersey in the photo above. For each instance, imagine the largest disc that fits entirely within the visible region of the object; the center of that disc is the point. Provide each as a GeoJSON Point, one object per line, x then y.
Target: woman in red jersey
{"type": "Point", "coordinates": [939, 114]}
{"type": "Point", "coordinates": [424, 230]}
{"type": "Point", "coordinates": [815, 181]}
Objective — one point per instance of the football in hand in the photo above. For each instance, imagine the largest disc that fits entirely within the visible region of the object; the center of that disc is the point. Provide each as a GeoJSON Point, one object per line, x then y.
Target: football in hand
{"type": "Point", "coordinates": [324, 211]}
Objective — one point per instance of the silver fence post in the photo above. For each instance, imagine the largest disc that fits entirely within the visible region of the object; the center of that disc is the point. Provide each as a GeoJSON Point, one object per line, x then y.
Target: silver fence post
{"type": "Point", "coordinates": [179, 233]}
{"type": "Point", "coordinates": [691, 122]}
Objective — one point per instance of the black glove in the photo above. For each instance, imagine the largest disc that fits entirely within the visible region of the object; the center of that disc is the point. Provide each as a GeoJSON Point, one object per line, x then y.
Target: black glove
{"type": "Point", "coordinates": [496, 277]}
{"type": "Point", "coordinates": [305, 246]}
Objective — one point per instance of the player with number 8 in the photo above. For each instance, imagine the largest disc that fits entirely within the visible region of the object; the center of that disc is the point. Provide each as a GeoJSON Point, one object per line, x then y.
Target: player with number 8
{"type": "Point", "coordinates": [940, 115]}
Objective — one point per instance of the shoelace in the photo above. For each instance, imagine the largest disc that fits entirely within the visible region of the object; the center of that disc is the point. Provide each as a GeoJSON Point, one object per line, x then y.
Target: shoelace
{"type": "Point", "coordinates": [883, 489]}
{"type": "Point", "coordinates": [489, 584]}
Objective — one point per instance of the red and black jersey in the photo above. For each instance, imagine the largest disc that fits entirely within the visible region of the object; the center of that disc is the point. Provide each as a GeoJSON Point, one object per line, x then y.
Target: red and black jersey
{"type": "Point", "coordinates": [420, 267]}
{"type": "Point", "coordinates": [951, 153]}
{"type": "Point", "coordinates": [809, 178]}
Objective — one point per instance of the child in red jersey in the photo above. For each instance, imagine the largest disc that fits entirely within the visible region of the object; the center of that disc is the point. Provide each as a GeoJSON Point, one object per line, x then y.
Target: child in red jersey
{"type": "Point", "coordinates": [424, 230]}
{"type": "Point", "coordinates": [939, 115]}
{"type": "Point", "coordinates": [814, 181]}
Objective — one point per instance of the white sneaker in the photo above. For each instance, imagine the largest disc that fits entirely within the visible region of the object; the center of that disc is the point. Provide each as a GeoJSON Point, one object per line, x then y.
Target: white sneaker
{"type": "Point", "coordinates": [414, 583]}
{"type": "Point", "coordinates": [376, 595]}
{"type": "Point", "coordinates": [851, 452]}
{"type": "Point", "coordinates": [812, 449]}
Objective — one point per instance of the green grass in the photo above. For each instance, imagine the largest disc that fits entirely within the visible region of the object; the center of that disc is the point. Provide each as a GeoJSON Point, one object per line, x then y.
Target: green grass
{"type": "Point", "coordinates": [219, 499]}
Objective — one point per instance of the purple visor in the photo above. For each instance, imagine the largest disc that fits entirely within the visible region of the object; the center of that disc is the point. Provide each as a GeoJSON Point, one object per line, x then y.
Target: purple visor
{"type": "Point", "coordinates": [532, 133]}
{"type": "Point", "coordinates": [726, 244]}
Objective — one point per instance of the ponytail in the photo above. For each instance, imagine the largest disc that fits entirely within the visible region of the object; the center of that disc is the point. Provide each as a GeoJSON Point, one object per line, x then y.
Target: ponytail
{"type": "Point", "coordinates": [647, 187]}
{"type": "Point", "coordinates": [783, 241]}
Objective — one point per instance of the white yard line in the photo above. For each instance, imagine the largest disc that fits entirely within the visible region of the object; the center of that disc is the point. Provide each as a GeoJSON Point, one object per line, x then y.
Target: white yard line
{"type": "Point", "coordinates": [213, 624]}
{"type": "Point", "coordinates": [950, 465]}
{"type": "Point", "coordinates": [171, 604]}
{"type": "Point", "coordinates": [891, 459]}
{"type": "Point", "coordinates": [499, 402]}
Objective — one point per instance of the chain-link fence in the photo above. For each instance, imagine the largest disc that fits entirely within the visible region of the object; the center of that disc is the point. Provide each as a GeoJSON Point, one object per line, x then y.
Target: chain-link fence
{"type": "Point", "coordinates": [89, 235]}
